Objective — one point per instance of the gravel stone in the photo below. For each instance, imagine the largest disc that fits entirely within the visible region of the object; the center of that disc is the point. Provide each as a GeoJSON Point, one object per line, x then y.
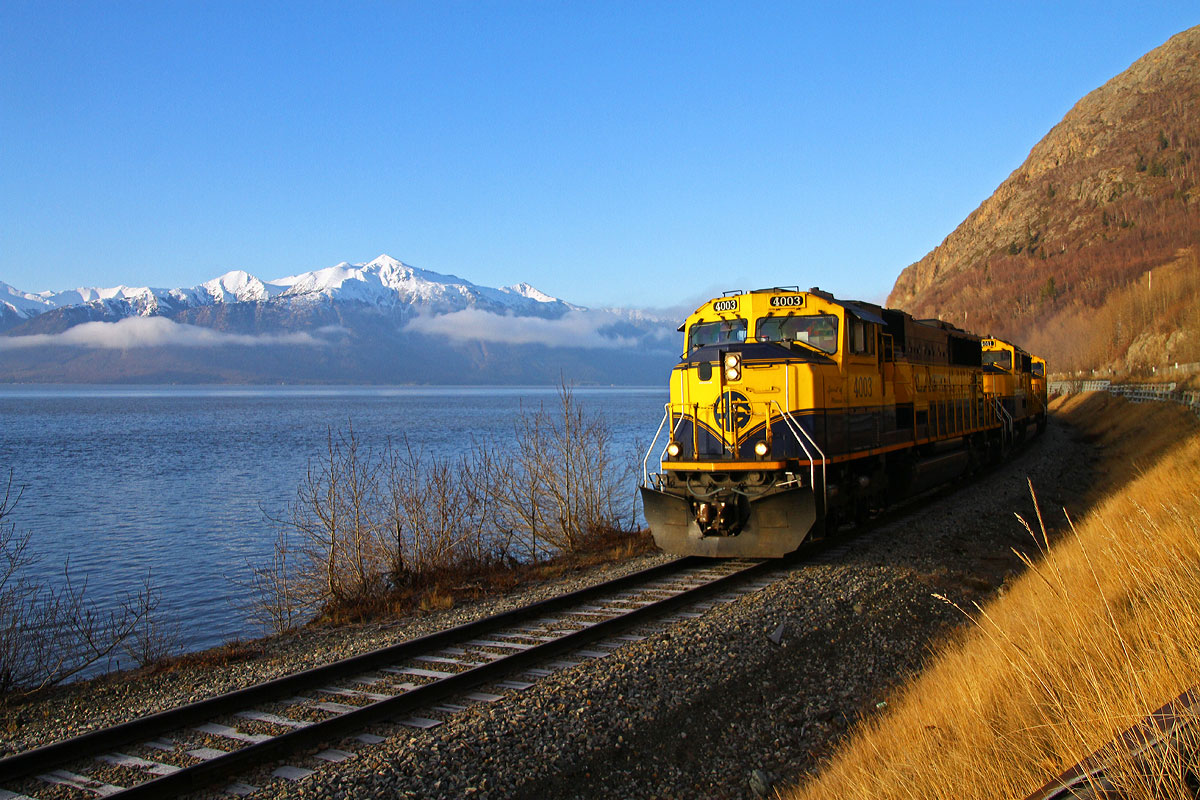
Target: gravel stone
{"type": "Point", "coordinates": [736, 703]}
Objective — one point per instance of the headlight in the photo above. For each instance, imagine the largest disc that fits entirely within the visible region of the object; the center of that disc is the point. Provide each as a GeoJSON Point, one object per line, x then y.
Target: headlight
{"type": "Point", "coordinates": [733, 366]}
{"type": "Point", "coordinates": [673, 449]}
{"type": "Point", "coordinates": [761, 449]}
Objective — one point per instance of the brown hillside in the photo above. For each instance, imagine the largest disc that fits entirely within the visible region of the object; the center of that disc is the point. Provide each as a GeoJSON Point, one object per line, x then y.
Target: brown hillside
{"type": "Point", "coordinates": [1110, 193]}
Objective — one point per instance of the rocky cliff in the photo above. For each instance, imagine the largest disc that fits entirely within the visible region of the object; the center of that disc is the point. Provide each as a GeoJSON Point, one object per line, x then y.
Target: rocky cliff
{"type": "Point", "coordinates": [1108, 194]}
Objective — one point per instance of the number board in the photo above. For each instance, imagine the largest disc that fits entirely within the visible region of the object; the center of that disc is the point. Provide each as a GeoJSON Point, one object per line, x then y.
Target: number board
{"type": "Point", "coordinates": [725, 305]}
{"type": "Point", "coordinates": [787, 301]}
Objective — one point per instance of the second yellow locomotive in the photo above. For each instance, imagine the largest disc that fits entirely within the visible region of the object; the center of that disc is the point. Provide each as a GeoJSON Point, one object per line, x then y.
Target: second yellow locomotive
{"type": "Point", "coordinates": [792, 412]}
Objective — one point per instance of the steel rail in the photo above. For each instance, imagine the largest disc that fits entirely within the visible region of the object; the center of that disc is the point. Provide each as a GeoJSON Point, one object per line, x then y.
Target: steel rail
{"type": "Point", "coordinates": [1154, 730]}
{"type": "Point", "coordinates": [202, 774]}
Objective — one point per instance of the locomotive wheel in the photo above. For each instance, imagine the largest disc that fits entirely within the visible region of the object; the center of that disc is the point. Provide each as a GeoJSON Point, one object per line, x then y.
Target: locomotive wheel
{"type": "Point", "coordinates": [832, 523]}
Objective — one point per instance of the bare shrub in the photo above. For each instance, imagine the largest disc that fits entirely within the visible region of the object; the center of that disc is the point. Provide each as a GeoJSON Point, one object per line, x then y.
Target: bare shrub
{"type": "Point", "coordinates": [50, 634]}
{"type": "Point", "coordinates": [276, 600]}
{"type": "Point", "coordinates": [367, 523]}
{"type": "Point", "coordinates": [363, 523]}
{"type": "Point", "coordinates": [153, 639]}
{"type": "Point", "coordinates": [1151, 319]}
{"type": "Point", "coordinates": [506, 474]}
{"type": "Point", "coordinates": [336, 519]}
{"type": "Point", "coordinates": [433, 516]}
{"type": "Point", "coordinates": [558, 483]}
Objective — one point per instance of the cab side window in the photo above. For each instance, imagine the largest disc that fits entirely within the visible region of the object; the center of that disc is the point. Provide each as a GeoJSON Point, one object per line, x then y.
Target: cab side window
{"type": "Point", "coordinates": [862, 337]}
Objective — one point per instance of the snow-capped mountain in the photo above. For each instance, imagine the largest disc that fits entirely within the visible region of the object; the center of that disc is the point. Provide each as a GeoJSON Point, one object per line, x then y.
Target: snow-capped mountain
{"type": "Point", "coordinates": [21, 303]}
{"type": "Point", "coordinates": [386, 282]}
{"type": "Point", "coordinates": [382, 321]}
{"type": "Point", "coordinates": [238, 287]}
{"type": "Point", "coordinates": [383, 283]}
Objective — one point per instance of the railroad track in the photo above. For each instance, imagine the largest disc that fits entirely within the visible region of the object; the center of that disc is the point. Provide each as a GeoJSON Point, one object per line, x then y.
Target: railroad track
{"type": "Point", "coordinates": [416, 684]}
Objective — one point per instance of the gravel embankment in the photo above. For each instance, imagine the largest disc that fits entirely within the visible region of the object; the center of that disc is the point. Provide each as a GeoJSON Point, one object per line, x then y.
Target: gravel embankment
{"type": "Point", "coordinates": [116, 698]}
{"type": "Point", "coordinates": [709, 708]}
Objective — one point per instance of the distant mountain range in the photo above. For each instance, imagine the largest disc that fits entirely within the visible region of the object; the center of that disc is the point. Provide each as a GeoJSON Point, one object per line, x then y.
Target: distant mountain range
{"type": "Point", "coordinates": [378, 322]}
{"type": "Point", "coordinates": [384, 283]}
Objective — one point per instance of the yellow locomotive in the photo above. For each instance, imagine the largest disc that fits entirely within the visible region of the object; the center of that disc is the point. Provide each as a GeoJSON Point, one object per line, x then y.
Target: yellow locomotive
{"type": "Point", "coordinates": [1018, 380]}
{"type": "Point", "coordinates": [792, 412]}
{"type": "Point", "coordinates": [1038, 387]}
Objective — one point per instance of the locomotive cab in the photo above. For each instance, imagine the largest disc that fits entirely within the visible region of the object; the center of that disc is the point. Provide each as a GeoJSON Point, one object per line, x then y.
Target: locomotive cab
{"type": "Point", "coordinates": [745, 467]}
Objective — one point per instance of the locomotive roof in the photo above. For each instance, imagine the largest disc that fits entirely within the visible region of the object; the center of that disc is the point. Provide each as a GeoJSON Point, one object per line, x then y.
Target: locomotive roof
{"type": "Point", "coordinates": [868, 312]}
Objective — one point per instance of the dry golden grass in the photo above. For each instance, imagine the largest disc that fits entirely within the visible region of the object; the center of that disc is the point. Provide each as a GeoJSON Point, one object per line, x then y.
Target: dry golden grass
{"type": "Point", "coordinates": [232, 652]}
{"type": "Point", "coordinates": [436, 600]}
{"type": "Point", "coordinates": [1101, 630]}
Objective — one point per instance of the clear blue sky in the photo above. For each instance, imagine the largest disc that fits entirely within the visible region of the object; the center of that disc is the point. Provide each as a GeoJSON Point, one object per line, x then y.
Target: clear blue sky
{"type": "Point", "coordinates": [632, 153]}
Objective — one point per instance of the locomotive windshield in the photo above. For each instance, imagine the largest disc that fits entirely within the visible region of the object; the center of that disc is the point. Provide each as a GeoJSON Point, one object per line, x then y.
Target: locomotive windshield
{"type": "Point", "coordinates": [1039, 368]}
{"type": "Point", "coordinates": [819, 330]}
{"type": "Point", "coordinates": [998, 358]}
{"type": "Point", "coordinates": [723, 331]}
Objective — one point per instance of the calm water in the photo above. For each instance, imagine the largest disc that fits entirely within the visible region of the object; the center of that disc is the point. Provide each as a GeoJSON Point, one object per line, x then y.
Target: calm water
{"type": "Point", "coordinates": [175, 481]}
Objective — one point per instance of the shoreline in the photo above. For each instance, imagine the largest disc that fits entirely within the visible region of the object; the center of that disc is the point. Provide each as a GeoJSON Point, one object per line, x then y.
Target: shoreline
{"type": "Point", "coordinates": [704, 705]}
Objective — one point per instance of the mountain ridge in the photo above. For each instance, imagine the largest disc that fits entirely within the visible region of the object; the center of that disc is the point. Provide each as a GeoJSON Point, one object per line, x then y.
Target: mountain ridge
{"type": "Point", "coordinates": [381, 321]}
{"type": "Point", "coordinates": [1107, 194]}
{"type": "Point", "coordinates": [384, 281]}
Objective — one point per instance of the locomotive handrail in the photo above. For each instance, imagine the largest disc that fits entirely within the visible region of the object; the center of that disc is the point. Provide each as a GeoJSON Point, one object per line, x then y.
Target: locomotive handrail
{"type": "Point", "coordinates": [657, 433]}
{"type": "Point", "coordinates": [787, 418]}
{"type": "Point", "coordinates": [800, 434]}
{"type": "Point", "coordinates": [1006, 419]}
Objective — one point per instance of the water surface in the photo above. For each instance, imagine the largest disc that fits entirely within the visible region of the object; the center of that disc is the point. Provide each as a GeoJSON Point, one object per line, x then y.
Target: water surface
{"type": "Point", "coordinates": [178, 482]}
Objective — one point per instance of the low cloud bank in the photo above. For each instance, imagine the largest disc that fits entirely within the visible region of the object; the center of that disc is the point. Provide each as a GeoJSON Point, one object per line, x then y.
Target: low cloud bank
{"type": "Point", "coordinates": [135, 332]}
{"type": "Point", "coordinates": [573, 329]}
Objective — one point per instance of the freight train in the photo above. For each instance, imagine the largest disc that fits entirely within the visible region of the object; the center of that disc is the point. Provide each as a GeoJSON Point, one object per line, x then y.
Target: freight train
{"type": "Point", "coordinates": [792, 413]}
